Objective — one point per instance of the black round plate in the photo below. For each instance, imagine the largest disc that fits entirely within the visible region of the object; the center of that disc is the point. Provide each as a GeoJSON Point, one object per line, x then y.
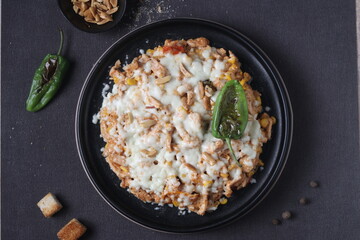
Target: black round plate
{"type": "Point", "coordinates": [78, 21]}
{"type": "Point", "coordinates": [267, 80]}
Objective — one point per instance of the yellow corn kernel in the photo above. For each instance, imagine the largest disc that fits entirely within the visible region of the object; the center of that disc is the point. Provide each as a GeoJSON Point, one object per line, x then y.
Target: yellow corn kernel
{"type": "Point", "coordinates": [232, 166]}
{"type": "Point", "coordinates": [273, 119]}
{"type": "Point", "coordinates": [182, 109]}
{"type": "Point", "coordinates": [227, 77]}
{"type": "Point", "coordinates": [223, 201]}
{"type": "Point", "coordinates": [172, 176]}
{"type": "Point", "coordinates": [242, 82]}
{"type": "Point", "coordinates": [233, 67]}
{"type": "Point", "coordinates": [131, 81]}
{"type": "Point", "coordinates": [224, 175]}
{"type": "Point", "coordinates": [258, 98]}
{"type": "Point", "coordinates": [207, 183]}
{"type": "Point", "coordinates": [183, 175]}
{"type": "Point", "coordinates": [124, 169]}
{"type": "Point", "coordinates": [251, 173]}
{"type": "Point", "coordinates": [103, 113]}
{"type": "Point", "coordinates": [232, 60]}
{"type": "Point", "coordinates": [150, 51]}
{"type": "Point", "coordinates": [169, 163]}
{"type": "Point", "coordinates": [176, 204]}
{"type": "Point", "coordinates": [116, 80]}
{"type": "Point", "coordinates": [247, 76]}
{"type": "Point", "coordinates": [264, 122]}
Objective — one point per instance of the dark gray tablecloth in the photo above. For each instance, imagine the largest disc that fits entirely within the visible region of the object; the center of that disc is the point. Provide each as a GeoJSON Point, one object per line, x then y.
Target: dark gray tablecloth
{"type": "Point", "coordinates": [313, 44]}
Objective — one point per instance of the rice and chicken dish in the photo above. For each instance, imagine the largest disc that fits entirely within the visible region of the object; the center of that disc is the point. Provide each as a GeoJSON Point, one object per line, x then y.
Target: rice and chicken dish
{"type": "Point", "coordinates": [155, 122]}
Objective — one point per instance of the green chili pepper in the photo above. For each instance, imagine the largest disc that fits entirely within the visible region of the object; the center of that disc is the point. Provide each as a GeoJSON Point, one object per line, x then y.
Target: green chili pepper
{"type": "Point", "coordinates": [47, 79]}
{"type": "Point", "coordinates": [230, 115]}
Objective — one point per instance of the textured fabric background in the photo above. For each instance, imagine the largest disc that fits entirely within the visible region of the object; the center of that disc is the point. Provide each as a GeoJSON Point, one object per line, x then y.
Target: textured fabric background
{"type": "Point", "coordinates": [313, 45]}
{"type": "Point", "coordinates": [358, 47]}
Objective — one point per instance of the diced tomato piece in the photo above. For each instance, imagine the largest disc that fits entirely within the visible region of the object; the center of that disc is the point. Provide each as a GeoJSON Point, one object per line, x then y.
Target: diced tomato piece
{"type": "Point", "coordinates": [174, 49]}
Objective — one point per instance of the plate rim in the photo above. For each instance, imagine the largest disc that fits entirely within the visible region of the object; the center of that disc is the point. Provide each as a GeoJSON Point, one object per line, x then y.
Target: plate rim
{"type": "Point", "coordinates": [284, 151]}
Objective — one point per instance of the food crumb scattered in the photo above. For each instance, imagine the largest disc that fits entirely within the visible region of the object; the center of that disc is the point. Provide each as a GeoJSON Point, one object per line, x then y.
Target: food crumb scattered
{"type": "Point", "coordinates": [149, 11]}
{"type": "Point", "coordinates": [276, 221]}
{"type": "Point", "coordinates": [314, 184]}
{"type": "Point", "coordinates": [286, 215]}
{"type": "Point", "coordinates": [253, 180]}
{"type": "Point", "coordinates": [303, 201]}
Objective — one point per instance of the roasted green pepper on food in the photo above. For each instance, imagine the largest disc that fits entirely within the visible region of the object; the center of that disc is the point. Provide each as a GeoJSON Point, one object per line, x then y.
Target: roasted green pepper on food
{"type": "Point", "coordinates": [47, 79]}
{"type": "Point", "coordinates": [230, 114]}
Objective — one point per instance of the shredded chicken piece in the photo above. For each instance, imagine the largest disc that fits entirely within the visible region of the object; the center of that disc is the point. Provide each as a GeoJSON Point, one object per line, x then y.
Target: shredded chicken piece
{"type": "Point", "coordinates": [206, 103]}
{"type": "Point", "coordinates": [198, 42]}
{"type": "Point", "coordinates": [185, 71]}
{"type": "Point", "coordinates": [158, 69]}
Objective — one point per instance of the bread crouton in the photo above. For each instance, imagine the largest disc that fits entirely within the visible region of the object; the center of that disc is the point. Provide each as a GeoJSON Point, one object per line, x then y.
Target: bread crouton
{"type": "Point", "coordinates": [49, 205]}
{"type": "Point", "coordinates": [72, 231]}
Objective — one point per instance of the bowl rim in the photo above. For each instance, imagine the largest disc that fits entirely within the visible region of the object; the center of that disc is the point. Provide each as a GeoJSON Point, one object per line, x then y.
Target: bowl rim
{"type": "Point", "coordinates": [283, 153]}
{"type": "Point", "coordinates": [91, 30]}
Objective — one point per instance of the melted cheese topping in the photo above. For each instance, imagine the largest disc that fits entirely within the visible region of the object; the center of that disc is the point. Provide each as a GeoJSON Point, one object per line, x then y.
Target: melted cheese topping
{"type": "Point", "coordinates": [137, 131]}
